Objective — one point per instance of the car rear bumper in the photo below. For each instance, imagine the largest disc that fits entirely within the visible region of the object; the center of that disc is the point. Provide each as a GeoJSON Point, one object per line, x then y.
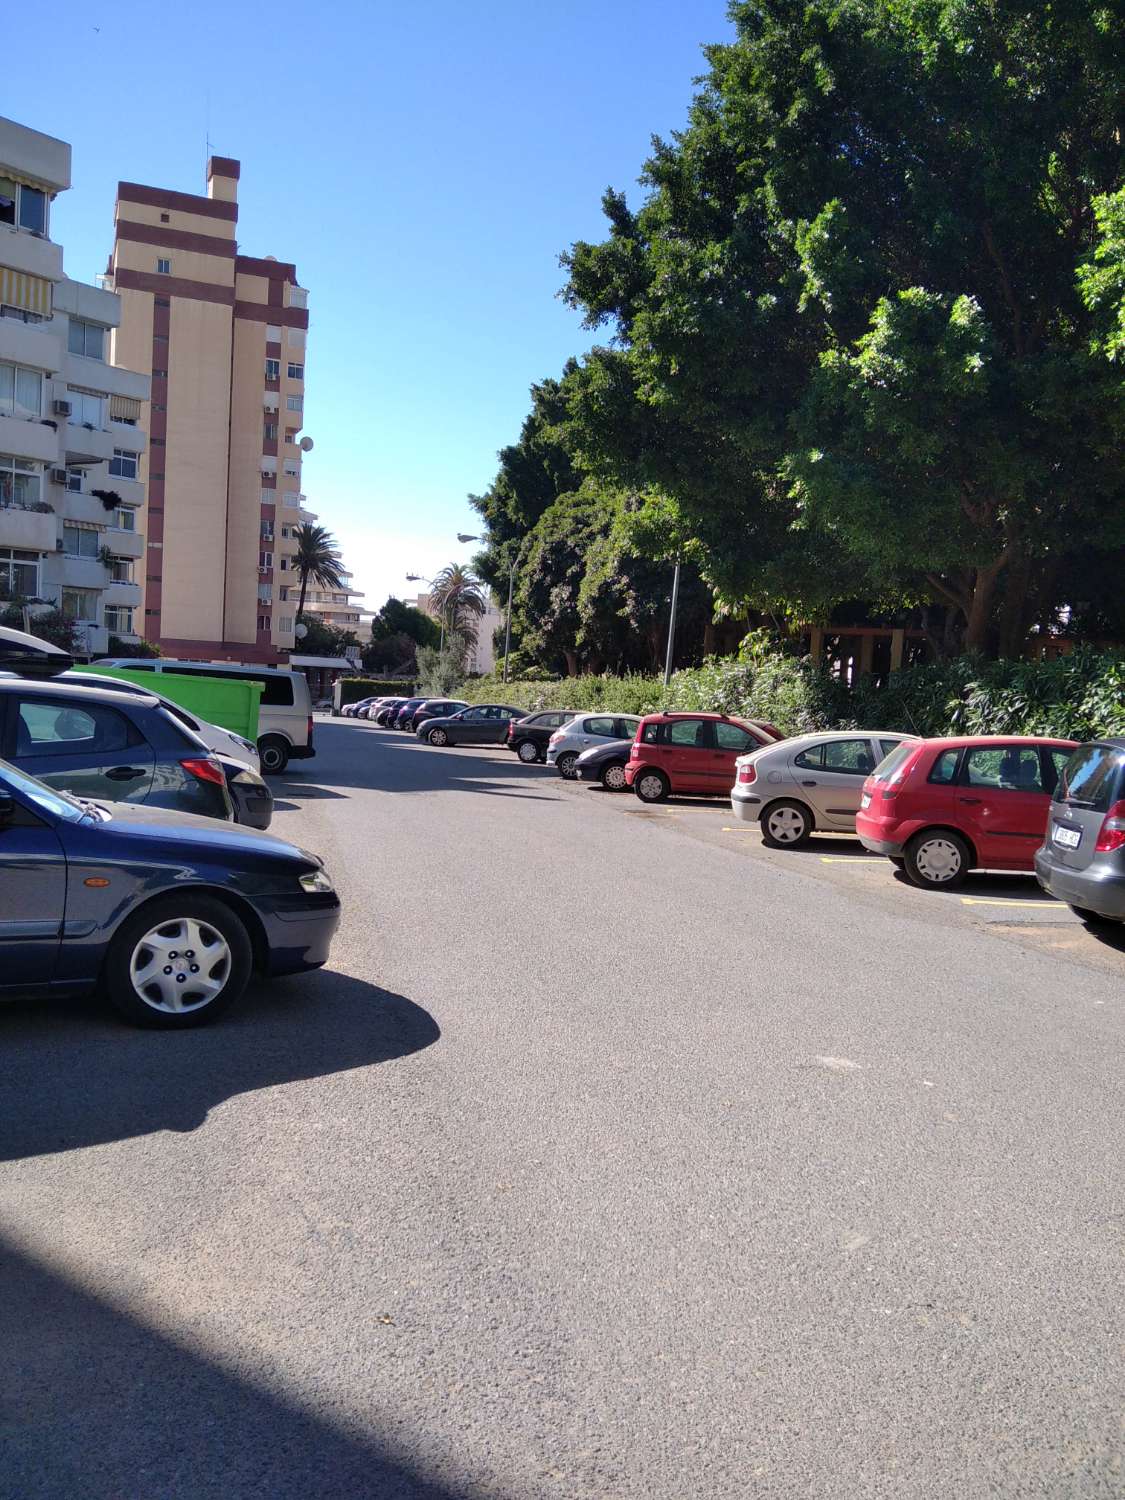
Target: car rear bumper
{"type": "Point", "coordinates": [880, 846]}
{"type": "Point", "coordinates": [1096, 888]}
{"type": "Point", "coordinates": [747, 806]}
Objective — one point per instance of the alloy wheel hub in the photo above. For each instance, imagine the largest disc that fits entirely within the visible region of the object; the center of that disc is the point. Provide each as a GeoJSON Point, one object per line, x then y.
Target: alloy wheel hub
{"type": "Point", "coordinates": [786, 825]}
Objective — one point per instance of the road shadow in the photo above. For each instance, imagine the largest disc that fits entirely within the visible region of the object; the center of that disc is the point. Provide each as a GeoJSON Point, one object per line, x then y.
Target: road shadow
{"type": "Point", "coordinates": [95, 1404]}
{"type": "Point", "coordinates": [1109, 934]}
{"type": "Point", "coordinates": [74, 1075]}
{"type": "Point", "coordinates": [352, 756]}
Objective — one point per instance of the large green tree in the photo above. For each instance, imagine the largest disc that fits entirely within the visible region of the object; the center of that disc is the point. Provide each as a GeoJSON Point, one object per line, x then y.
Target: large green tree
{"type": "Point", "coordinates": [850, 343]}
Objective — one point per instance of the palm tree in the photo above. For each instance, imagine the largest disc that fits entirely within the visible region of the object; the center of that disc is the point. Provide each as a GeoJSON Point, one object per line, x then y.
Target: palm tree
{"type": "Point", "coordinates": [458, 596]}
{"type": "Point", "coordinates": [318, 558]}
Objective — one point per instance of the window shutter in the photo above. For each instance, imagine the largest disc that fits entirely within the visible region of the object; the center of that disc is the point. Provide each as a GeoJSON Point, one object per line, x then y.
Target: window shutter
{"type": "Point", "coordinates": [29, 293]}
{"type": "Point", "coordinates": [124, 409]}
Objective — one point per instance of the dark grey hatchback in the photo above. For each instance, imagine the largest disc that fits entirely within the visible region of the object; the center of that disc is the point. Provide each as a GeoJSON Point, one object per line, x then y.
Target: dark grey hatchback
{"type": "Point", "coordinates": [1082, 861]}
{"type": "Point", "coordinates": [100, 744]}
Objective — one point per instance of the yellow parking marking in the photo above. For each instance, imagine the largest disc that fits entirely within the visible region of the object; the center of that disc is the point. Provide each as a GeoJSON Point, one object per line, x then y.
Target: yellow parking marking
{"type": "Point", "coordinates": [740, 830]}
{"type": "Point", "coordinates": [1003, 901]}
{"type": "Point", "coordinates": [851, 859]}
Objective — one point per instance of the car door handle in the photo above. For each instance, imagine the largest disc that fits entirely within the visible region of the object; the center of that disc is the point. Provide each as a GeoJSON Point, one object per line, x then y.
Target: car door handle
{"type": "Point", "coordinates": [971, 800]}
{"type": "Point", "coordinates": [808, 783]}
{"type": "Point", "coordinates": [124, 773]}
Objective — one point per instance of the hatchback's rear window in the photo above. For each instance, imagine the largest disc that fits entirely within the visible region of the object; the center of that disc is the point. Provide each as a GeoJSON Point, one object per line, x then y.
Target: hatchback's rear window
{"type": "Point", "coordinates": [1092, 777]}
{"type": "Point", "coordinates": [892, 762]}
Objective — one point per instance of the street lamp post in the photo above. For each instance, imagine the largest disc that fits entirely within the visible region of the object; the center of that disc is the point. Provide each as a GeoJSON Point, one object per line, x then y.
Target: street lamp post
{"type": "Point", "coordinates": [672, 622]}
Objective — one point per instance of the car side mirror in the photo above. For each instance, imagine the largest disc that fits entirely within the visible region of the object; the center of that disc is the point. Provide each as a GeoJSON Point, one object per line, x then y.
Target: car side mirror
{"type": "Point", "coordinates": [7, 808]}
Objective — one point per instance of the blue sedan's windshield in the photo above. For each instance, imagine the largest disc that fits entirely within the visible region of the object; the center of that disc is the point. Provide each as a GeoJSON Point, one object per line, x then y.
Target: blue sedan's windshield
{"type": "Point", "coordinates": [57, 803]}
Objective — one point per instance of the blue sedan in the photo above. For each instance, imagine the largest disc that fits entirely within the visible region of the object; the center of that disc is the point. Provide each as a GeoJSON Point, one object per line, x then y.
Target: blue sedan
{"type": "Point", "coordinates": [168, 912]}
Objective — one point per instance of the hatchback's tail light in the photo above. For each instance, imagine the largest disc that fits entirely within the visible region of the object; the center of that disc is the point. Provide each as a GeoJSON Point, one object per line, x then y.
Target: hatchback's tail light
{"type": "Point", "coordinates": [512, 729]}
{"type": "Point", "coordinates": [1111, 835]}
{"type": "Point", "coordinates": [204, 769]}
{"type": "Point", "coordinates": [556, 737]}
{"type": "Point", "coordinates": [747, 773]}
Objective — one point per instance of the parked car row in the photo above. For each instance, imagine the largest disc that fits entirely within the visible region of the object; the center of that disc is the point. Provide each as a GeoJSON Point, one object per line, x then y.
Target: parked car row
{"type": "Point", "coordinates": [120, 865]}
{"type": "Point", "coordinates": [936, 808]}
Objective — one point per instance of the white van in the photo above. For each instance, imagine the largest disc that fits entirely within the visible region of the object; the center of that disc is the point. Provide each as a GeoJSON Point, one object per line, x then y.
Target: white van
{"type": "Point", "coordinates": [285, 722]}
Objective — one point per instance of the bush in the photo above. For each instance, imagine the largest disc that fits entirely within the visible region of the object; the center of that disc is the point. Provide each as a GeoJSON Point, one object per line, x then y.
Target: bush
{"type": "Point", "coordinates": [354, 688]}
{"type": "Point", "coordinates": [1081, 696]}
{"type": "Point", "coordinates": [440, 673]}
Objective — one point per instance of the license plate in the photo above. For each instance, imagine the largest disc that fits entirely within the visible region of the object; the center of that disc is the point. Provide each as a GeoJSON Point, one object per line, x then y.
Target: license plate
{"type": "Point", "coordinates": [1069, 838]}
{"type": "Point", "coordinates": [865, 801]}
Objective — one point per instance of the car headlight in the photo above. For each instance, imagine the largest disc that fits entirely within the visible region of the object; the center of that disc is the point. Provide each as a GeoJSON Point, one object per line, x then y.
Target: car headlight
{"type": "Point", "coordinates": [316, 881]}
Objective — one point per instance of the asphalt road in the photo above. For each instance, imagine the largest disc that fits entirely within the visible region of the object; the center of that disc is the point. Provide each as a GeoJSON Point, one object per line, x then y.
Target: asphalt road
{"type": "Point", "coordinates": [612, 1156]}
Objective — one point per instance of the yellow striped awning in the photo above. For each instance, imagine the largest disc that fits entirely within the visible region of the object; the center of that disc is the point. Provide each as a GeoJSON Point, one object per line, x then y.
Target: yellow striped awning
{"type": "Point", "coordinates": [124, 409]}
{"type": "Point", "coordinates": [29, 293]}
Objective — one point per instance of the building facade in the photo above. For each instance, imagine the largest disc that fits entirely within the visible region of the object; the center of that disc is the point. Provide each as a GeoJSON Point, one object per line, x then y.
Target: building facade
{"type": "Point", "coordinates": [72, 436]}
{"type": "Point", "coordinates": [223, 337]}
{"type": "Point", "coordinates": [481, 659]}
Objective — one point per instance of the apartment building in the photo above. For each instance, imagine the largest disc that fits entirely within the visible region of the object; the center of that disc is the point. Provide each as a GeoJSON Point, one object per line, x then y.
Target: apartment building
{"type": "Point", "coordinates": [223, 337]}
{"type": "Point", "coordinates": [481, 658]}
{"type": "Point", "coordinates": [72, 438]}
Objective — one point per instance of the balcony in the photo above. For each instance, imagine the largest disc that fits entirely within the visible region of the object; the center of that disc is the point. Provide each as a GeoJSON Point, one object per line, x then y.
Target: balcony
{"type": "Point", "coordinates": [37, 345]}
{"type": "Point", "coordinates": [125, 543]}
{"type": "Point", "coordinates": [128, 594]}
{"type": "Point", "coordinates": [83, 572]}
{"type": "Point", "coordinates": [30, 530]}
{"type": "Point", "coordinates": [80, 300]}
{"type": "Point", "coordinates": [113, 380]}
{"type": "Point", "coordinates": [22, 251]}
{"type": "Point", "coordinates": [91, 445]}
{"type": "Point", "coordinates": [29, 439]}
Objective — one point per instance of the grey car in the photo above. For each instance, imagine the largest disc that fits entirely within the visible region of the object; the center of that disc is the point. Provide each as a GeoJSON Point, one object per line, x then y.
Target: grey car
{"type": "Point", "coordinates": [483, 724]}
{"type": "Point", "coordinates": [1082, 860]}
{"type": "Point", "coordinates": [812, 781]}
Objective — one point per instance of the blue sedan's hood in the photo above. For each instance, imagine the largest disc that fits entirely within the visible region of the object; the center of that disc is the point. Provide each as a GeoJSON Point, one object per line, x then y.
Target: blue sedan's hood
{"type": "Point", "coordinates": [133, 820]}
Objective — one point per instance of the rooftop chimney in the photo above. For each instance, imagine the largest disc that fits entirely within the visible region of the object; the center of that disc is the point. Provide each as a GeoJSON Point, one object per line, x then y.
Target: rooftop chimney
{"type": "Point", "coordinates": [222, 178]}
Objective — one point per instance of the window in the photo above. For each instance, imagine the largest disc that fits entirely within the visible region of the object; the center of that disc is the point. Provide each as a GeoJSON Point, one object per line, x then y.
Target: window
{"type": "Point", "coordinates": [298, 297]}
{"type": "Point", "coordinates": [283, 594]}
{"type": "Point", "coordinates": [286, 532]}
{"type": "Point", "coordinates": [269, 432]}
{"type": "Point", "coordinates": [730, 737]}
{"type": "Point", "coordinates": [285, 624]}
{"type": "Point", "coordinates": [80, 604]}
{"type": "Point", "coordinates": [850, 756]}
{"type": "Point", "coordinates": [121, 569]}
{"type": "Point", "coordinates": [74, 478]}
{"type": "Point", "coordinates": [296, 372]}
{"type": "Point", "coordinates": [295, 338]}
{"type": "Point", "coordinates": [19, 574]}
{"type": "Point", "coordinates": [650, 735]}
{"type": "Point", "coordinates": [269, 497]}
{"type": "Point", "coordinates": [284, 564]}
{"type": "Point", "coordinates": [602, 727]}
{"type": "Point", "coordinates": [267, 531]}
{"type": "Point", "coordinates": [886, 746]}
{"type": "Point", "coordinates": [265, 593]}
{"type": "Point", "coordinates": [159, 375]}
{"type": "Point", "coordinates": [123, 464]}
{"type": "Point", "coordinates": [1004, 768]}
{"type": "Point", "coordinates": [265, 559]}
{"type": "Point", "coordinates": [87, 339]}
{"type": "Point", "coordinates": [165, 218]}
{"type": "Point", "coordinates": [292, 470]}
{"type": "Point", "coordinates": [291, 497]}
{"type": "Point", "coordinates": [294, 403]}
{"type": "Point", "coordinates": [1090, 775]}
{"type": "Point", "coordinates": [119, 618]}
{"type": "Point", "coordinates": [263, 622]}
{"type": "Point", "coordinates": [273, 334]}
{"type": "Point", "coordinates": [945, 768]}
{"type": "Point", "coordinates": [273, 369]}
{"type": "Point", "coordinates": [688, 733]}
{"type": "Point", "coordinates": [23, 206]}
{"type": "Point", "coordinates": [20, 481]}
{"type": "Point", "coordinates": [80, 541]}
{"type": "Point", "coordinates": [125, 519]}
{"type": "Point", "coordinates": [87, 408]}
{"type": "Point", "coordinates": [291, 434]}
{"type": "Point", "coordinates": [164, 268]}
{"type": "Point", "coordinates": [45, 728]}
{"type": "Point", "coordinates": [21, 392]}
{"type": "Point", "coordinates": [162, 301]}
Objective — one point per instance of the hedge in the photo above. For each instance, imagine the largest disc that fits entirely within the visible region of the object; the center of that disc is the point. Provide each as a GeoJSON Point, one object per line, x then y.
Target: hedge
{"type": "Point", "coordinates": [354, 688]}
{"type": "Point", "coordinates": [1080, 696]}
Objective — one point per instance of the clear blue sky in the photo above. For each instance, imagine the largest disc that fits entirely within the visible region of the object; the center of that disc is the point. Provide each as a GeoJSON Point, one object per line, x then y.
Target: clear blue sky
{"type": "Point", "coordinates": [423, 165]}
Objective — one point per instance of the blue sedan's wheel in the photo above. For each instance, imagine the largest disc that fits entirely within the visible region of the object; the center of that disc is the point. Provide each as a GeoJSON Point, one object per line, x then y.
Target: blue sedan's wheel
{"type": "Point", "coordinates": [178, 962]}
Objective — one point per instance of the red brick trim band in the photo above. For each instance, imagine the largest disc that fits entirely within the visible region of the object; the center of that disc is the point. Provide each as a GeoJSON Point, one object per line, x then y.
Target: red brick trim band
{"type": "Point", "coordinates": [173, 286]}
{"type": "Point", "coordinates": [175, 239]}
{"type": "Point", "coordinates": [223, 166]}
{"type": "Point", "coordinates": [231, 651]}
{"type": "Point", "coordinates": [191, 203]}
{"type": "Point", "coordinates": [259, 312]}
{"type": "Point", "coordinates": [276, 270]}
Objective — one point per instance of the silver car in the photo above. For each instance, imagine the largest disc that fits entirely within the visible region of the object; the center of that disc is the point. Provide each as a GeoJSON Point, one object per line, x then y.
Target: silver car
{"type": "Point", "coordinates": [813, 781]}
{"type": "Point", "coordinates": [584, 730]}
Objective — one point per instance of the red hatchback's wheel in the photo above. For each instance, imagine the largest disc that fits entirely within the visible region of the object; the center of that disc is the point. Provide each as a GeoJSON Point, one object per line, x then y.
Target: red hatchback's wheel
{"type": "Point", "coordinates": [937, 859]}
{"type": "Point", "coordinates": [652, 786]}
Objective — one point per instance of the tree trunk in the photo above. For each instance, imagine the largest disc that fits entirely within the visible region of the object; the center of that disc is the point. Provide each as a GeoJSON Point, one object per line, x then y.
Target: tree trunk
{"type": "Point", "coordinates": [571, 663]}
{"type": "Point", "coordinates": [301, 600]}
{"type": "Point", "coordinates": [709, 638]}
{"type": "Point", "coordinates": [1016, 607]}
{"type": "Point", "coordinates": [978, 616]}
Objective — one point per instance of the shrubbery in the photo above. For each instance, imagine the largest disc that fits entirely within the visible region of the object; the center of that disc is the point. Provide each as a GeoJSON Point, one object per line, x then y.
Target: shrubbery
{"type": "Point", "coordinates": [354, 688]}
{"type": "Point", "coordinates": [1075, 697]}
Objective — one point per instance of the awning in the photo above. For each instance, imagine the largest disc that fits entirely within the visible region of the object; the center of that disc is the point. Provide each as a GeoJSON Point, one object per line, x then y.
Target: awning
{"type": "Point", "coordinates": [29, 293]}
{"type": "Point", "coordinates": [124, 409]}
{"type": "Point", "coordinates": [338, 663]}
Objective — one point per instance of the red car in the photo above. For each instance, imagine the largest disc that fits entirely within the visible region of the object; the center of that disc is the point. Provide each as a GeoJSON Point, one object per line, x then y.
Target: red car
{"type": "Point", "coordinates": [940, 808]}
{"type": "Point", "coordinates": [691, 754]}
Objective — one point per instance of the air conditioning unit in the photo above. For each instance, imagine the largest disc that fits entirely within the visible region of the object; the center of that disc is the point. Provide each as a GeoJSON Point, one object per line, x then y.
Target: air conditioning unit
{"type": "Point", "coordinates": [61, 408]}
{"type": "Point", "coordinates": [59, 476]}
{"type": "Point", "coordinates": [59, 545]}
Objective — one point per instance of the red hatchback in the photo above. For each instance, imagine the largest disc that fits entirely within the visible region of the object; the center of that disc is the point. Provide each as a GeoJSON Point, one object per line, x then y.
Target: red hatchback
{"type": "Point", "coordinates": [691, 754]}
{"type": "Point", "coordinates": [940, 808]}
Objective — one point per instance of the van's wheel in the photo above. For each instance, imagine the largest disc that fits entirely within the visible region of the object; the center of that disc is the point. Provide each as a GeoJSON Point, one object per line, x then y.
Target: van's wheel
{"type": "Point", "coordinates": [528, 752]}
{"type": "Point", "coordinates": [937, 859]}
{"type": "Point", "coordinates": [437, 737]}
{"type": "Point", "coordinates": [178, 962]}
{"type": "Point", "coordinates": [652, 786]}
{"type": "Point", "coordinates": [564, 765]}
{"type": "Point", "coordinates": [613, 776]}
{"type": "Point", "coordinates": [274, 754]}
{"type": "Point", "coordinates": [786, 825]}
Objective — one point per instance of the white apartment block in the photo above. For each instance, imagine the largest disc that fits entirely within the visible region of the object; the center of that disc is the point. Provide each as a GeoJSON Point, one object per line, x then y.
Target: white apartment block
{"type": "Point", "coordinates": [70, 440]}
